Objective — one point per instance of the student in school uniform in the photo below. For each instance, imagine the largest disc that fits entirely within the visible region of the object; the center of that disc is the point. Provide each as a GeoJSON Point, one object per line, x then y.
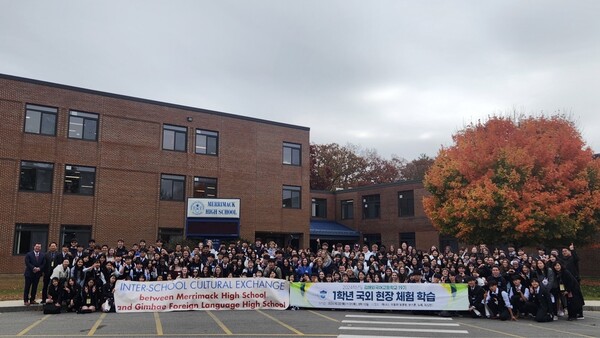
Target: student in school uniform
{"type": "Point", "coordinates": [476, 294]}
{"type": "Point", "coordinates": [89, 297]}
{"type": "Point", "coordinates": [498, 303]}
{"type": "Point", "coordinates": [540, 303]}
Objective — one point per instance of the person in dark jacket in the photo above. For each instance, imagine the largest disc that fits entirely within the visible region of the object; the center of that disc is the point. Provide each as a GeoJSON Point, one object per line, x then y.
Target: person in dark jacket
{"type": "Point", "coordinates": [518, 295]}
{"type": "Point", "coordinates": [89, 297]}
{"type": "Point", "coordinates": [569, 287]}
{"type": "Point", "coordinates": [35, 261]}
{"type": "Point", "coordinates": [50, 263]}
{"type": "Point", "coordinates": [108, 293]}
{"type": "Point", "coordinates": [54, 294]}
{"type": "Point", "coordinates": [71, 291]}
{"type": "Point", "coordinates": [539, 303]}
{"type": "Point", "coordinates": [476, 294]}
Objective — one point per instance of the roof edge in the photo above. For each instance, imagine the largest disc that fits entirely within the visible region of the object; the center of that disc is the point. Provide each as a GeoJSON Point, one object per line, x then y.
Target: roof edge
{"type": "Point", "coordinates": [148, 101]}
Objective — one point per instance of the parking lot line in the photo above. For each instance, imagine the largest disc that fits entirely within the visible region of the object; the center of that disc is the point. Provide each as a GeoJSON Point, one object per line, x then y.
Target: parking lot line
{"type": "Point", "coordinates": [397, 329]}
{"type": "Point", "coordinates": [27, 329]}
{"type": "Point", "coordinates": [219, 322]}
{"type": "Point", "coordinates": [281, 323]}
{"type": "Point", "coordinates": [95, 327]}
{"type": "Point", "coordinates": [159, 329]}
{"type": "Point", "coordinates": [324, 316]}
{"type": "Point", "coordinates": [486, 329]}
{"type": "Point", "coordinates": [567, 333]}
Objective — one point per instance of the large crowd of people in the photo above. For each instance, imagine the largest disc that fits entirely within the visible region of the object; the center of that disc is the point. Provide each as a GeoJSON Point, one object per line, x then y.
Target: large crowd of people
{"type": "Point", "coordinates": [504, 285]}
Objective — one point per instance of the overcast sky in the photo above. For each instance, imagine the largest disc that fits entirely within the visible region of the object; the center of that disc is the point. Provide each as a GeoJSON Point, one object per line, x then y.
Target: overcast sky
{"type": "Point", "coordinates": [397, 76]}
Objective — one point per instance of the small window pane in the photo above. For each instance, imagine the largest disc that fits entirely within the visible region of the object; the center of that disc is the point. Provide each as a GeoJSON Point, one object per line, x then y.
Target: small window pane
{"type": "Point", "coordinates": [211, 146]}
{"type": "Point", "coordinates": [180, 141]}
{"type": "Point", "coordinates": [90, 130]}
{"type": "Point", "coordinates": [75, 127]}
{"type": "Point", "coordinates": [33, 120]}
{"type": "Point", "coordinates": [168, 139]}
{"type": "Point", "coordinates": [48, 124]}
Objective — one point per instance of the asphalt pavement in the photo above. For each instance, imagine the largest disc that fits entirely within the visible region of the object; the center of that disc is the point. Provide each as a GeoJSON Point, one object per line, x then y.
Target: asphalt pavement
{"type": "Point", "coordinates": [287, 323]}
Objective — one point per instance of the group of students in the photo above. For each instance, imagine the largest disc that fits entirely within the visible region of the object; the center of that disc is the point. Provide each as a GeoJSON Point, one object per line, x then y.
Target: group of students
{"type": "Point", "coordinates": [503, 285]}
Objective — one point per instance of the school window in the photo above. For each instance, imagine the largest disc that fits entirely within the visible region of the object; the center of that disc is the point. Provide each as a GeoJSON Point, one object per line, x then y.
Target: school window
{"type": "Point", "coordinates": [291, 197]}
{"type": "Point", "coordinates": [174, 138]}
{"type": "Point", "coordinates": [205, 187]}
{"type": "Point", "coordinates": [409, 238]}
{"type": "Point", "coordinates": [371, 206]}
{"type": "Point", "coordinates": [207, 142]}
{"type": "Point", "coordinates": [291, 153]}
{"type": "Point", "coordinates": [172, 187]}
{"type": "Point", "coordinates": [406, 203]}
{"type": "Point", "coordinates": [82, 233]}
{"type": "Point", "coordinates": [36, 176]}
{"type": "Point", "coordinates": [348, 209]}
{"type": "Point", "coordinates": [170, 235]}
{"type": "Point", "coordinates": [83, 126]}
{"type": "Point", "coordinates": [79, 180]}
{"type": "Point", "coordinates": [27, 235]}
{"type": "Point", "coordinates": [40, 120]}
{"type": "Point", "coordinates": [319, 208]}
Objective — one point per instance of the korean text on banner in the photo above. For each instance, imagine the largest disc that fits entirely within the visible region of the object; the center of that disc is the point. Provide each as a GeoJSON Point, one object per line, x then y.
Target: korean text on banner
{"type": "Point", "coordinates": [202, 294]}
{"type": "Point", "coordinates": [380, 296]}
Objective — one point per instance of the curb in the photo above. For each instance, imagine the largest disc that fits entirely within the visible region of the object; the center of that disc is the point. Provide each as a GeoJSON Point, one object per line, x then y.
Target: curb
{"type": "Point", "coordinates": [20, 308]}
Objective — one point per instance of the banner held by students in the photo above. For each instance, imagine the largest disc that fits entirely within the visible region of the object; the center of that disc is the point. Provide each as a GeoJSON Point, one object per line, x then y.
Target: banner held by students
{"type": "Point", "coordinates": [380, 296]}
{"type": "Point", "coordinates": [202, 294]}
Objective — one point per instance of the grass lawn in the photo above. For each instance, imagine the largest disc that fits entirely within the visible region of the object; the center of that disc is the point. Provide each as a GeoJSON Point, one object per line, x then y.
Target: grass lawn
{"type": "Point", "coordinates": [591, 288]}
{"type": "Point", "coordinates": [11, 287]}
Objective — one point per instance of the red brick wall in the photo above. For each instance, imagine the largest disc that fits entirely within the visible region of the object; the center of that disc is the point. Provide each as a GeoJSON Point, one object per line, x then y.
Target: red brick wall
{"type": "Point", "coordinates": [129, 161]}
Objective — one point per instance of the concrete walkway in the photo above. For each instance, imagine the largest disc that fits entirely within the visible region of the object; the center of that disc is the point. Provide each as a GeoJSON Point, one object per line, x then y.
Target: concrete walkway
{"type": "Point", "coordinates": [17, 305]}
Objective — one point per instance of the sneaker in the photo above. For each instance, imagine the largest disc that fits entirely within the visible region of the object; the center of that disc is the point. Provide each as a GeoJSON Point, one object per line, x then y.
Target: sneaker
{"type": "Point", "coordinates": [561, 313]}
{"type": "Point", "coordinates": [580, 317]}
{"type": "Point", "coordinates": [26, 303]}
{"type": "Point", "coordinates": [554, 317]}
{"type": "Point", "coordinates": [571, 319]}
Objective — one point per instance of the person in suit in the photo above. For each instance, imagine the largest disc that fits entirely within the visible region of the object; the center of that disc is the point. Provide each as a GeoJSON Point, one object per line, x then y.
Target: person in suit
{"type": "Point", "coordinates": [50, 264]}
{"type": "Point", "coordinates": [35, 262]}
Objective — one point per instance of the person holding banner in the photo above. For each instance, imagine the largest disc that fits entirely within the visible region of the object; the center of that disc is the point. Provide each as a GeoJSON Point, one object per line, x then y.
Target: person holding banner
{"type": "Point", "coordinates": [476, 295]}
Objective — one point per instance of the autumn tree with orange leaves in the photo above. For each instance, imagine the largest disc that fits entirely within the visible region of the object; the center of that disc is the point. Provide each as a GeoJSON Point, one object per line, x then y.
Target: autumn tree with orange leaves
{"type": "Point", "coordinates": [521, 180]}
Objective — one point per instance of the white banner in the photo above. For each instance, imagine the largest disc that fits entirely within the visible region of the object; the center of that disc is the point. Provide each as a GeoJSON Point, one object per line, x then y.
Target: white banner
{"type": "Point", "coordinates": [213, 208]}
{"type": "Point", "coordinates": [202, 294]}
{"type": "Point", "coordinates": [382, 296]}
